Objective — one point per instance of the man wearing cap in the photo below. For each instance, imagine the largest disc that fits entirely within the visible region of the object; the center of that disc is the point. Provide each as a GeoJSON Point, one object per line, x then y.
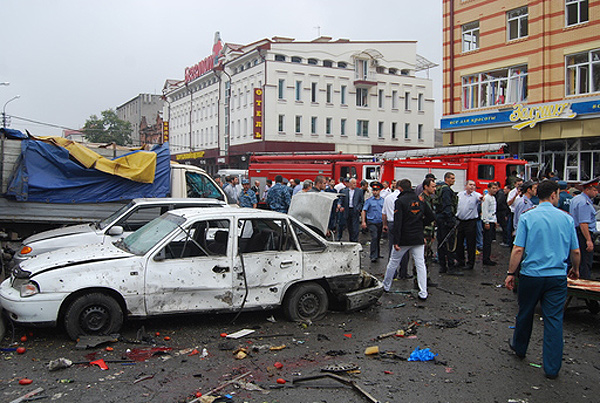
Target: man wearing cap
{"type": "Point", "coordinates": [545, 239]}
{"type": "Point", "coordinates": [564, 201]}
{"type": "Point", "coordinates": [247, 197]}
{"type": "Point", "coordinates": [528, 190]}
{"type": "Point", "coordinates": [372, 220]}
{"type": "Point", "coordinates": [584, 215]}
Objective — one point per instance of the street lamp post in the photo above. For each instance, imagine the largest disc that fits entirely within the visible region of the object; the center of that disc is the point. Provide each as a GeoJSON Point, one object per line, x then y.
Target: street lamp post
{"type": "Point", "coordinates": [4, 109]}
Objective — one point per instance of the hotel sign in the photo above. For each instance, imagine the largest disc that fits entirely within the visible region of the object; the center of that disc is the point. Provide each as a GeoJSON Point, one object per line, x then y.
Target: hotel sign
{"type": "Point", "coordinates": [165, 132]}
{"type": "Point", "coordinates": [257, 123]}
{"type": "Point", "coordinates": [190, 156]}
{"type": "Point", "coordinates": [209, 63]}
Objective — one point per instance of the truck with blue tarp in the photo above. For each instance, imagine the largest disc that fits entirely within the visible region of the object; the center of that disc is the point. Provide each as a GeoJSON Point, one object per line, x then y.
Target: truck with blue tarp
{"type": "Point", "coordinates": [52, 181]}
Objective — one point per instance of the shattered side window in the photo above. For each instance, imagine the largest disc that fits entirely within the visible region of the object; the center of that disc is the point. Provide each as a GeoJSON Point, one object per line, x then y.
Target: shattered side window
{"type": "Point", "coordinates": [260, 235]}
{"type": "Point", "coordinates": [308, 243]}
{"type": "Point", "coordinates": [201, 186]}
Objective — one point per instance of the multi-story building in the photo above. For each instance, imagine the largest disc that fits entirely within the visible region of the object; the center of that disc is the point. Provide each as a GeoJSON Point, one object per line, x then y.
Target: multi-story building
{"type": "Point", "coordinates": [143, 106]}
{"type": "Point", "coordinates": [280, 95]}
{"type": "Point", "coordinates": [526, 73]}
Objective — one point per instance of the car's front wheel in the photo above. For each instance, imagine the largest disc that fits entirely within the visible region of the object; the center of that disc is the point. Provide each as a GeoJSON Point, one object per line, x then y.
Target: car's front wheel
{"type": "Point", "coordinates": [93, 314]}
{"type": "Point", "coordinates": [306, 301]}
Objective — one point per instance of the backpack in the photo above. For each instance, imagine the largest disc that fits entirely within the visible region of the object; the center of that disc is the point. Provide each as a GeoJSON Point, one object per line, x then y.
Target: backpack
{"type": "Point", "coordinates": [437, 199]}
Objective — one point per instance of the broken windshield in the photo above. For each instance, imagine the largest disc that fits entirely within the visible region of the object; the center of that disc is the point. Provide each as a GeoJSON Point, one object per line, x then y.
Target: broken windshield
{"type": "Point", "coordinates": [142, 240]}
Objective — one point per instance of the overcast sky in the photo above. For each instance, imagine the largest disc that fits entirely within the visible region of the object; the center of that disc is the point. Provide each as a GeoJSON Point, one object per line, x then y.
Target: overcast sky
{"type": "Point", "coordinates": [69, 59]}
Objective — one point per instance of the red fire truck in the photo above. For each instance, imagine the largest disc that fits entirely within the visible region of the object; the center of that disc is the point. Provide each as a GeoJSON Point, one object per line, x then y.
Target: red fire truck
{"type": "Point", "coordinates": [482, 163]}
{"type": "Point", "coordinates": [308, 166]}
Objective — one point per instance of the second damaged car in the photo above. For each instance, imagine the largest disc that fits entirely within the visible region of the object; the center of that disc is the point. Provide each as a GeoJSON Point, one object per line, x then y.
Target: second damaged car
{"type": "Point", "coordinates": [191, 260]}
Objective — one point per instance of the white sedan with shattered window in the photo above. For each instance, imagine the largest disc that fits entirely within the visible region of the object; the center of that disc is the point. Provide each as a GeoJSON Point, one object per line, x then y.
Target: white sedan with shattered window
{"type": "Point", "coordinates": [191, 260]}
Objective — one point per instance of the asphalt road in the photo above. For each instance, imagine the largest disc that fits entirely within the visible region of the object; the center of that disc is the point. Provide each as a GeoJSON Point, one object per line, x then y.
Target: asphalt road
{"type": "Point", "coordinates": [466, 322]}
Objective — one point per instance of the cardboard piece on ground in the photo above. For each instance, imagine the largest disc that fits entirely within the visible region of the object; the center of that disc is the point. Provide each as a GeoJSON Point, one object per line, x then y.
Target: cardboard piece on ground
{"type": "Point", "coordinates": [240, 333]}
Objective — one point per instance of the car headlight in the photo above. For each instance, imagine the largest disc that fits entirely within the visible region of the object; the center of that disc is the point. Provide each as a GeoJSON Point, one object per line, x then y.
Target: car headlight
{"type": "Point", "coordinates": [29, 288]}
{"type": "Point", "coordinates": [25, 250]}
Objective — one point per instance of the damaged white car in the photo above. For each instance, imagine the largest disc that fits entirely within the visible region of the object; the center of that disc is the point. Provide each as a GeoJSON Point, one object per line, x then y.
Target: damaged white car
{"type": "Point", "coordinates": [191, 260]}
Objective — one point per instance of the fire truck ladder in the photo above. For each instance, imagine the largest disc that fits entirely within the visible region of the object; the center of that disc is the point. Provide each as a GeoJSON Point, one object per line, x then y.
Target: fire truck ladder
{"type": "Point", "coordinates": [474, 151]}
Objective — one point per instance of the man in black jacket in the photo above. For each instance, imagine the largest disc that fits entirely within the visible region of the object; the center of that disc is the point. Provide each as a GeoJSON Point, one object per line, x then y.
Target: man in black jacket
{"type": "Point", "coordinates": [410, 217]}
{"type": "Point", "coordinates": [447, 203]}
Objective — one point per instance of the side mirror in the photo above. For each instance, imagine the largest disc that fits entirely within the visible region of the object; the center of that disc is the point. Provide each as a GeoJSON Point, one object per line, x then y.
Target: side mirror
{"type": "Point", "coordinates": [115, 230]}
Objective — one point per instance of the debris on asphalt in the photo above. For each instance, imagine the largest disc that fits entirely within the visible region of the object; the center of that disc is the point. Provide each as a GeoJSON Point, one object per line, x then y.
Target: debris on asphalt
{"type": "Point", "coordinates": [277, 348]}
{"type": "Point", "coordinates": [218, 388]}
{"type": "Point", "coordinates": [335, 353]}
{"type": "Point", "coordinates": [341, 379]}
{"type": "Point", "coordinates": [25, 381]}
{"type": "Point", "coordinates": [143, 378]}
{"type": "Point", "coordinates": [26, 397]}
{"type": "Point", "coordinates": [272, 319]}
{"type": "Point", "coordinates": [21, 350]}
{"type": "Point", "coordinates": [278, 365]}
{"type": "Point", "coordinates": [340, 368]}
{"type": "Point", "coordinates": [421, 355]}
{"type": "Point", "coordinates": [142, 354]}
{"type": "Point", "coordinates": [396, 306]}
{"type": "Point", "coordinates": [85, 342]}
{"type": "Point", "coordinates": [372, 350]}
{"type": "Point", "coordinates": [249, 386]}
{"type": "Point", "coordinates": [451, 292]}
{"type": "Point", "coordinates": [281, 381]}
{"type": "Point", "coordinates": [59, 363]}
{"type": "Point", "coordinates": [240, 353]}
{"type": "Point", "coordinates": [240, 333]}
{"type": "Point", "coordinates": [100, 363]}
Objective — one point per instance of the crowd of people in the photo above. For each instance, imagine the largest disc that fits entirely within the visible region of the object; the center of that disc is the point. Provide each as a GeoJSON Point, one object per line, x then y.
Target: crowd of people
{"type": "Point", "coordinates": [549, 228]}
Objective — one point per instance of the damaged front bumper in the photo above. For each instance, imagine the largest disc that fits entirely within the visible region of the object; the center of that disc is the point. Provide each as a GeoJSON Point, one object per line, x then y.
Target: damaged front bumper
{"type": "Point", "coordinates": [371, 289]}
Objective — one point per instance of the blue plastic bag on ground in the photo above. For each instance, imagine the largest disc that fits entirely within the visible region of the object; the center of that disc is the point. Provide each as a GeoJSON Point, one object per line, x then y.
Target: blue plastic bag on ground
{"type": "Point", "coordinates": [421, 355]}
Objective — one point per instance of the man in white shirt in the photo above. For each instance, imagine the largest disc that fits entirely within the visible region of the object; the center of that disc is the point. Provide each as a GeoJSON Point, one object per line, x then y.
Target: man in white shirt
{"type": "Point", "coordinates": [386, 191]}
{"type": "Point", "coordinates": [488, 216]}
{"type": "Point", "coordinates": [511, 200]}
{"type": "Point", "coordinates": [467, 214]}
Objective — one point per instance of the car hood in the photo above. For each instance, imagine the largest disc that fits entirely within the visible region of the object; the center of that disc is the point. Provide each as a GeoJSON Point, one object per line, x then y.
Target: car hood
{"type": "Point", "coordinates": [73, 256]}
{"type": "Point", "coordinates": [59, 232]}
{"type": "Point", "coordinates": [313, 208]}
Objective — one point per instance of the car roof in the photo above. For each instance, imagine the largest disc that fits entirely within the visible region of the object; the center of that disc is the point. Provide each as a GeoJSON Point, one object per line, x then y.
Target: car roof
{"type": "Point", "coordinates": [179, 200]}
{"type": "Point", "coordinates": [219, 212]}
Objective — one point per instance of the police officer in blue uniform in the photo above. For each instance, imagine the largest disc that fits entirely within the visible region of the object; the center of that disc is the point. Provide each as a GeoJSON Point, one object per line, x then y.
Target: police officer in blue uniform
{"type": "Point", "coordinates": [564, 201]}
{"type": "Point", "coordinates": [584, 214]}
{"type": "Point", "coordinates": [247, 196]}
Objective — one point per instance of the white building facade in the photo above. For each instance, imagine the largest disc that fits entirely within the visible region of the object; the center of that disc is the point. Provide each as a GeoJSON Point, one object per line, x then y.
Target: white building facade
{"type": "Point", "coordinates": [280, 95]}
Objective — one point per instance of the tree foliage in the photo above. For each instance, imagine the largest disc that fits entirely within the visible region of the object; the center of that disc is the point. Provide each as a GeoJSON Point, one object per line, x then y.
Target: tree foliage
{"type": "Point", "coordinates": [109, 128]}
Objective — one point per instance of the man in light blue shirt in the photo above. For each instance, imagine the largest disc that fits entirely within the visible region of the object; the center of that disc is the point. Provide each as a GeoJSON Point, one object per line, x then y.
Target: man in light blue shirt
{"type": "Point", "coordinates": [372, 219]}
{"type": "Point", "coordinates": [584, 215]}
{"type": "Point", "coordinates": [468, 214]}
{"type": "Point", "coordinates": [545, 239]}
{"type": "Point", "coordinates": [524, 203]}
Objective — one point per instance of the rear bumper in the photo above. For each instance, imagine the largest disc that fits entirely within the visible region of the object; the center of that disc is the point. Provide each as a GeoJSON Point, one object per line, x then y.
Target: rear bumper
{"type": "Point", "coordinates": [371, 292]}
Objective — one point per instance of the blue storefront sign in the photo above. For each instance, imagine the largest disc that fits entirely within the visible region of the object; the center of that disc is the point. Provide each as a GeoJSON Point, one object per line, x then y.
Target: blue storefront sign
{"type": "Point", "coordinates": [522, 116]}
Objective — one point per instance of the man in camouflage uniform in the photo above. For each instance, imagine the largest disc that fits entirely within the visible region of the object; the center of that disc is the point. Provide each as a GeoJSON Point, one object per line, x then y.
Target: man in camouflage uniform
{"type": "Point", "coordinates": [428, 197]}
{"type": "Point", "coordinates": [278, 198]}
{"type": "Point", "coordinates": [247, 197]}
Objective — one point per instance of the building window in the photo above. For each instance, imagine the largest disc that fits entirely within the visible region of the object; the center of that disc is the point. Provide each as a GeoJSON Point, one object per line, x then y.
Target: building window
{"type": "Point", "coordinates": [470, 36]}
{"type": "Point", "coordinates": [576, 11]}
{"type": "Point", "coordinates": [329, 92]}
{"type": "Point", "coordinates": [342, 65]}
{"type": "Point", "coordinates": [420, 104]}
{"type": "Point", "coordinates": [343, 127]}
{"type": "Point", "coordinates": [361, 69]}
{"type": "Point", "coordinates": [281, 123]}
{"type": "Point", "coordinates": [394, 126]}
{"type": "Point", "coordinates": [362, 96]}
{"type": "Point", "coordinates": [517, 23]}
{"type": "Point", "coordinates": [380, 130]}
{"type": "Point", "coordinates": [407, 101]}
{"type": "Point", "coordinates": [279, 58]}
{"type": "Point", "coordinates": [313, 92]}
{"type": "Point", "coordinates": [343, 94]}
{"type": "Point", "coordinates": [312, 61]}
{"type": "Point", "coordinates": [281, 88]}
{"type": "Point", "coordinates": [327, 63]}
{"type": "Point", "coordinates": [296, 59]}
{"type": "Point", "coordinates": [328, 126]}
{"type": "Point", "coordinates": [420, 132]}
{"type": "Point", "coordinates": [497, 87]}
{"type": "Point", "coordinates": [406, 131]}
{"type": "Point", "coordinates": [298, 90]}
{"type": "Point", "coordinates": [394, 99]}
{"type": "Point", "coordinates": [380, 99]}
{"type": "Point", "coordinates": [362, 128]}
{"type": "Point", "coordinates": [583, 73]}
{"type": "Point", "coordinates": [313, 125]}
{"type": "Point", "coordinates": [298, 124]}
